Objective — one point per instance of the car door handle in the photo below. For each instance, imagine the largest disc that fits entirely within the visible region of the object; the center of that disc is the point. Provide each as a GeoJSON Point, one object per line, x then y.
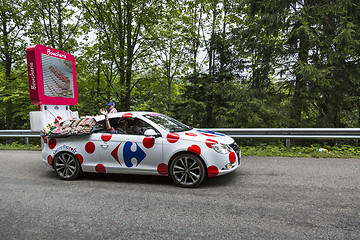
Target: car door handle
{"type": "Point", "coordinates": [105, 145]}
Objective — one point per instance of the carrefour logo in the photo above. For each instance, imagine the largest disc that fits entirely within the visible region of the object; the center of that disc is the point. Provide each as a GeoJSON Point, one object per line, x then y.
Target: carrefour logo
{"type": "Point", "coordinates": [138, 154]}
{"type": "Point", "coordinates": [64, 147]}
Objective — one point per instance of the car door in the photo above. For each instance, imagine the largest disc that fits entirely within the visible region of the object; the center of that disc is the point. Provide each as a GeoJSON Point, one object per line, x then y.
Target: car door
{"type": "Point", "coordinates": [130, 152]}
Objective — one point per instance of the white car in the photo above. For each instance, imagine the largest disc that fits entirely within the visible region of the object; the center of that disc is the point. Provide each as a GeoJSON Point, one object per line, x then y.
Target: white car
{"type": "Point", "coordinates": [150, 143]}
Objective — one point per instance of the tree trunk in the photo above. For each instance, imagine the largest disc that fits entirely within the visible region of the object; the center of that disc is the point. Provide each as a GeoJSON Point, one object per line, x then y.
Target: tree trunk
{"type": "Point", "coordinates": [8, 63]}
{"type": "Point", "coordinates": [129, 54]}
{"type": "Point", "coordinates": [298, 102]}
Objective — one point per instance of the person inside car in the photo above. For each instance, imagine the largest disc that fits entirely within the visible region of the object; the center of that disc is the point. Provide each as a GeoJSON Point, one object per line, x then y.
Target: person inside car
{"type": "Point", "coordinates": [107, 122]}
{"type": "Point", "coordinates": [122, 126]}
{"type": "Point", "coordinates": [138, 127]}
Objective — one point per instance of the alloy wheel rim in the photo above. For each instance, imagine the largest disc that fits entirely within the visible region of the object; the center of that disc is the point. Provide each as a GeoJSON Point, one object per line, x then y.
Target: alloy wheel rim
{"type": "Point", "coordinates": [65, 165]}
{"type": "Point", "coordinates": [186, 171]}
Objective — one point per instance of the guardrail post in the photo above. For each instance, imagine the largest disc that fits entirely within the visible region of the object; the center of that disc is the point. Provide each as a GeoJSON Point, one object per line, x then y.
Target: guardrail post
{"type": "Point", "coordinates": [27, 141]}
{"type": "Point", "coordinates": [287, 143]}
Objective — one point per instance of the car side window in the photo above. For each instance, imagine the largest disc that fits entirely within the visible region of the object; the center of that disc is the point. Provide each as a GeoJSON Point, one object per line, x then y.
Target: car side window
{"type": "Point", "coordinates": [134, 126]}
{"type": "Point", "coordinates": [100, 127]}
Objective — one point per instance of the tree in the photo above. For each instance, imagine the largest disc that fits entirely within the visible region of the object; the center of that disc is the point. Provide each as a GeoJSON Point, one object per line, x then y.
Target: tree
{"type": "Point", "coordinates": [168, 43]}
{"type": "Point", "coordinates": [13, 22]}
{"type": "Point", "coordinates": [297, 43]}
{"type": "Point", "coordinates": [121, 23]}
{"type": "Point", "coordinates": [56, 23]}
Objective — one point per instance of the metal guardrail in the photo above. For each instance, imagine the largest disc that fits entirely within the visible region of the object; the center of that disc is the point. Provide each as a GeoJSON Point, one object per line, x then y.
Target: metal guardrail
{"type": "Point", "coordinates": [287, 133]}
{"type": "Point", "coordinates": [290, 132]}
{"type": "Point", "coordinates": [19, 133]}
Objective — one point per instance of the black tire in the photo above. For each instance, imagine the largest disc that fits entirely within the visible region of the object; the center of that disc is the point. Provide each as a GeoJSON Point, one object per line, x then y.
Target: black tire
{"type": "Point", "coordinates": [67, 166]}
{"type": "Point", "coordinates": [187, 170]}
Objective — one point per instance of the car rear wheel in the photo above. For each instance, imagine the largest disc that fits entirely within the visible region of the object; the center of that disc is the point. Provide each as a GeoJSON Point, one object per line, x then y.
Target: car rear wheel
{"type": "Point", "coordinates": [67, 166]}
{"type": "Point", "coordinates": [187, 170]}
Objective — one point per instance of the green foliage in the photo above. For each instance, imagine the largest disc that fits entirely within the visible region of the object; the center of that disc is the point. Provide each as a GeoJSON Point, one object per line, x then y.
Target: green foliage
{"type": "Point", "coordinates": [16, 146]}
{"type": "Point", "coordinates": [204, 100]}
{"type": "Point", "coordinates": [345, 151]}
{"type": "Point", "coordinates": [208, 63]}
{"type": "Point", "coordinates": [55, 23]}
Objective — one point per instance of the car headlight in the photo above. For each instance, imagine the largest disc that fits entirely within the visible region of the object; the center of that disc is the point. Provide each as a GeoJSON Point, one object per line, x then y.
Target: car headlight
{"type": "Point", "coordinates": [221, 148]}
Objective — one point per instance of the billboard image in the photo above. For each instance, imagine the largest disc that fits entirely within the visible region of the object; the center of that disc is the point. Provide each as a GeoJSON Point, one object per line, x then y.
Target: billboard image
{"type": "Point", "coordinates": [58, 77]}
{"type": "Point", "coordinates": [52, 76]}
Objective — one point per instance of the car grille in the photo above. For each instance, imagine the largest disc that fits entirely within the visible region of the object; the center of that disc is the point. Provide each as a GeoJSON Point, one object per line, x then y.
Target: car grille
{"type": "Point", "coordinates": [237, 150]}
{"type": "Point", "coordinates": [235, 147]}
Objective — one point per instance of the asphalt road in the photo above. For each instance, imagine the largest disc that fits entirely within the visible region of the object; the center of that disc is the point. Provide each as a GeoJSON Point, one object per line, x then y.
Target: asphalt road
{"type": "Point", "coordinates": [266, 198]}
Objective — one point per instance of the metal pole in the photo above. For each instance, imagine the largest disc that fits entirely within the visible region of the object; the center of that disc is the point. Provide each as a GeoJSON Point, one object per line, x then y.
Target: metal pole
{"type": "Point", "coordinates": [287, 143]}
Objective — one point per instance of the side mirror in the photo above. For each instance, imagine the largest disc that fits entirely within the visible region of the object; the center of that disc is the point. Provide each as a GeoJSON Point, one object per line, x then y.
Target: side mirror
{"type": "Point", "coordinates": [151, 133]}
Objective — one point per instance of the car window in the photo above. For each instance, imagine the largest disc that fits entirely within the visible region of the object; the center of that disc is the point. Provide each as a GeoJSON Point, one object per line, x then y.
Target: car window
{"type": "Point", "coordinates": [134, 126]}
{"type": "Point", "coordinates": [168, 123]}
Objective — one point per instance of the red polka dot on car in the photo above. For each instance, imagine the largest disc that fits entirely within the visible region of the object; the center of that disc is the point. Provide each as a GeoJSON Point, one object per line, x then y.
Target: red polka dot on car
{"type": "Point", "coordinates": [149, 142]}
{"type": "Point", "coordinates": [195, 149]}
{"type": "Point", "coordinates": [50, 160]}
{"type": "Point", "coordinates": [90, 147]}
{"type": "Point", "coordinates": [232, 157]}
{"type": "Point", "coordinates": [106, 137]}
{"type": "Point", "coordinates": [127, 115]}
{"type": "Point", "coordinates": [191, 134]}
{"type": "Point", "coordinates": [210, 142]}
{"type": "Point", "coordinates": [173, 137]}
{"type": "Point", "coordinates": [100, 168]}
{"type": "Point", "coordinates": [213, 171]}
{"type": "Point", "coordinates": [52, 143]}
{"type": "Point", "coordinates": [80, 158]}
{"type": "Point", "coordinates": [162, 169]}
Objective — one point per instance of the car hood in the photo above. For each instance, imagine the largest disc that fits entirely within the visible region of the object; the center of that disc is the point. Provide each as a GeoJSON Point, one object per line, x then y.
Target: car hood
{"type": "Point", "coordinates": [201, 135]}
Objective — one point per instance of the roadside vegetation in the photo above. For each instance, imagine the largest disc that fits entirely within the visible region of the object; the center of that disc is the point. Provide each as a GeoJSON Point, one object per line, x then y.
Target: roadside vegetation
{"type": "Point", "coordinates": [17, 146]}
{"type": "Point", "coordinates": [345, 151]}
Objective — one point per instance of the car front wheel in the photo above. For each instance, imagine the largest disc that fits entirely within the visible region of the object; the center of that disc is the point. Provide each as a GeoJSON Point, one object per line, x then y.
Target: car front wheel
{"type": "Point", "coordinates": [67, 166]}
{"type": "Point", "coordinates": [187, 170]}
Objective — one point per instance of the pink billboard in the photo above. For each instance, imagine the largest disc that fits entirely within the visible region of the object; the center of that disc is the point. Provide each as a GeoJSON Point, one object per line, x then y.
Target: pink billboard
{"type": "Point", "coordinates": [52, 76]}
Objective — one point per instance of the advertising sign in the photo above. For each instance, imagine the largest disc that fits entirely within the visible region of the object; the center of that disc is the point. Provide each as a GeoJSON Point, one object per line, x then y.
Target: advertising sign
{"type": "Point", "coordinates": [52, 76]}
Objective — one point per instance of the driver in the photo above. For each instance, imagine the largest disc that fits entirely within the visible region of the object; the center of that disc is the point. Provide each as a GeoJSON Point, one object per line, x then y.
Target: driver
{"type": "Point", "coordinates": [138, 127]}
{"type": "Point", "coordinates": [122, 126]}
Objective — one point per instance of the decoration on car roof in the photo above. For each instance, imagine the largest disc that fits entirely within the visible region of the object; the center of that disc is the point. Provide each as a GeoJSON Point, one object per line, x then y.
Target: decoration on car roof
{"type": "Point", "coordinates": [70, 127]}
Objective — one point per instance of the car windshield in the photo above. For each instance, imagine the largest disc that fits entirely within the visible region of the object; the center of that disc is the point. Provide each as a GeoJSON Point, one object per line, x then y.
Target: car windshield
{"type": "Point", "coordinates": [168, 123]}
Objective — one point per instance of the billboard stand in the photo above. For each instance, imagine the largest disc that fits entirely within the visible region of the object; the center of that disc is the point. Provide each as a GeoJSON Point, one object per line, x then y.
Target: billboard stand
{"type": "Point", "coordinates": [49, 114]}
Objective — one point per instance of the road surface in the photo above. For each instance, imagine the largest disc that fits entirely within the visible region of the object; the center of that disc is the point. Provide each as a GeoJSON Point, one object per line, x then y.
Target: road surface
{"type": "Point", "coordinates": [266, 198]}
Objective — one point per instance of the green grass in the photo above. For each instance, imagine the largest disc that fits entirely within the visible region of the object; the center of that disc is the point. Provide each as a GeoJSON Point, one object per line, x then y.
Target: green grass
{"type": "Point", "coordinates": [16, 146]}
{"type": "Point", "coordinates": [344, 151]}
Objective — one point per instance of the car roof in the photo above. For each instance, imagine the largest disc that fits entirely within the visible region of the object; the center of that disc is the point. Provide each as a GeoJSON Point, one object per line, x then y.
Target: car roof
{"type": "Point", "coordinates": [130, 114]}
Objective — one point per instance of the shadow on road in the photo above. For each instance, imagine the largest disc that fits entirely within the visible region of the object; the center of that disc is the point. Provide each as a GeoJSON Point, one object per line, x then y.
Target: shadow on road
{"type": "Point", "coordinates": [224, 180]}
{"type": "Point", "coordinates": [126, 178]}
{"type": "Point", "coordinates": [219, 181]}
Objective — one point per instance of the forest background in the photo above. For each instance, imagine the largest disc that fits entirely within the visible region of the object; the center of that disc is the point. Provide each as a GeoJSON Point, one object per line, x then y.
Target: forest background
{"type": "Point", "coordinates": [208, 63]}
